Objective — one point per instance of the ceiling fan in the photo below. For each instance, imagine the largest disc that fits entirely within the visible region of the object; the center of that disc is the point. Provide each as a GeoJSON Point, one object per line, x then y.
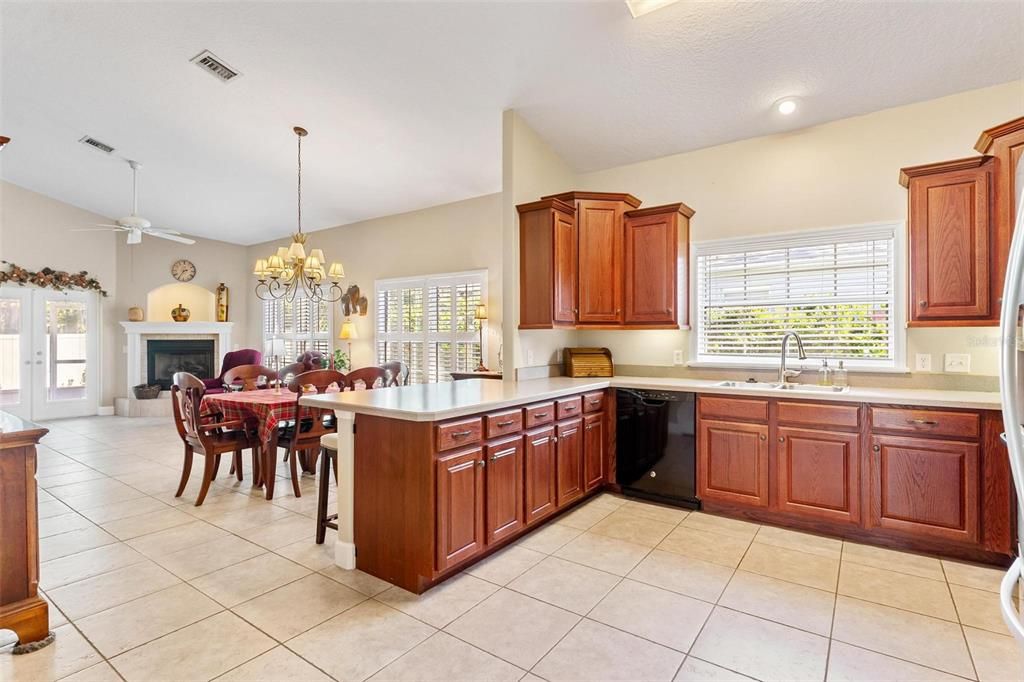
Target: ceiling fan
{"type": "Point", "coordinates": [135, 225]}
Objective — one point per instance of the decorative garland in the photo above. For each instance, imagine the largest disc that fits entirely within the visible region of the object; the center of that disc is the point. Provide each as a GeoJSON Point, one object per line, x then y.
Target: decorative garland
{"type": "Point", "coordinates": [49, 278]}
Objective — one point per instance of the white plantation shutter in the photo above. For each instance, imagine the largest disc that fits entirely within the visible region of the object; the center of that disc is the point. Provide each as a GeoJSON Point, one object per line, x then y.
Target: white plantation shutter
{"type": "Point", "coordinates": [427, 322]}
{"type": "Point", "coordinates": [836, 288]}
{"type": "Point", "coordinates": [301, 324]}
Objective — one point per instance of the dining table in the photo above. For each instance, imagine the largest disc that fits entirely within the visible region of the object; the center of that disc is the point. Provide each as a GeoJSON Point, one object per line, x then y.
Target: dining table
{"type": "Point", "coordinates": [267, 409]}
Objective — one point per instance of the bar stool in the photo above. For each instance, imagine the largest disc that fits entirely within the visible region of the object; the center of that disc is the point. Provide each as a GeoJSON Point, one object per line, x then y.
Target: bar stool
{"type": "Point", "coordinates": [328, 461]}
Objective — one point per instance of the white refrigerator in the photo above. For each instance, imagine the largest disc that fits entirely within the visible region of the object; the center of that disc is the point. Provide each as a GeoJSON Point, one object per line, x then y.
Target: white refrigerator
{"type": "Point", "coordinates": [1011, 389]}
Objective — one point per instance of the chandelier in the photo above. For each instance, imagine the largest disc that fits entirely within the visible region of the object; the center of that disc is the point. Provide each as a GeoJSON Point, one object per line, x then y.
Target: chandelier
{"type": "Point", "coordinates": [290, 271]}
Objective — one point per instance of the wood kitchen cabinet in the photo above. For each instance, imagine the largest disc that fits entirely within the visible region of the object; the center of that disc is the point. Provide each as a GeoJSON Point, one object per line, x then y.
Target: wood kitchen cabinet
{"type": "Point", "coordinates": [591, 260]}
{"type": "Point", "coordinates": [732, 462]}
{"type": "Point", "coordinates": [924, 487]}
{"type": "Point", "coordinates": [569, 458]}
{"type": "Point", "coordinates": [593, 451]}
{"type": "Point", "coordinates": [655, 275]}
{"type": "Point", "coordinates": [505, 496]}
{"type": "Point", "coordinates": [818, 473]}
{"type": "Point", "coordinates": [460, 507]}
{"type": "Point", "coordinates": [541, 468]}
{"type": "Point", "coordinates": [547, 264]}
{"type": "Point", "coordinates": [951, 281]}
{"type": "Point", "coordinates": [1005, 143]}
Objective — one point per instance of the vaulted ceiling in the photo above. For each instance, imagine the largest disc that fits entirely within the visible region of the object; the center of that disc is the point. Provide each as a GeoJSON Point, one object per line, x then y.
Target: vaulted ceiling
{"type": "Point", "coordinates": [403, 101]}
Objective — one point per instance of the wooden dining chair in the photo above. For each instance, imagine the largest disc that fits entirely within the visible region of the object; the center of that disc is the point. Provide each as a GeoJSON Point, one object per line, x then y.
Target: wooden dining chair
{"type": "Point", "coordinates": [398, 373]}
{"type": "Point", "coordinates": [371, 377]}
{"type": "Point", "coordinates": [211, 439]}
{"type": "Point", "coordinates": [310, 422]}
{"type": "Point", "coordinates": [247, 376]}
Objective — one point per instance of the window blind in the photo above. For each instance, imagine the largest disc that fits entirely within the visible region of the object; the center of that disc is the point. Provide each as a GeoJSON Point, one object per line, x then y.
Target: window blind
{"type": "Point", "coordinates": [301, 325]}
{"type": "Point", "coordinates": [835, 288]}
{"type": "Point", "coordinates": [428, 322]}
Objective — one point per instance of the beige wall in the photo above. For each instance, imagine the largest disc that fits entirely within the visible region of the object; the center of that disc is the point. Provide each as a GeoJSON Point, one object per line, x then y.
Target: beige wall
{"type": "Point", "coordinates": [840, 173]}
{"type": "Point", "coordinates": [530, 169]}
{"type": "Point", "coordinates": [465, 235]}
{"type": "Point", "coordinates": [36, 232]}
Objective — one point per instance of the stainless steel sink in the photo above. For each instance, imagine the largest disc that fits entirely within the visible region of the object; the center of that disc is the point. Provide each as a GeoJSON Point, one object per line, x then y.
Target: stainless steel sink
{"type": "Point", "coordinates": [761, 385]}
{"type": "Point", "coordinates": [775, 386]}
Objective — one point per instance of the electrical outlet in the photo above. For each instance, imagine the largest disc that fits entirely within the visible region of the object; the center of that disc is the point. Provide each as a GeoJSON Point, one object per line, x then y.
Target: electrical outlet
{"type": "Point", "coordinates": [558, 356]}
{"type": "Point", "coordinates": [957, 362]}
{"type": "Point", "coordinates": [529, 358]}
{"type": "Point", "coordinates": [677, 357]}
{"type": "Point", "coordinates": [923, 362]}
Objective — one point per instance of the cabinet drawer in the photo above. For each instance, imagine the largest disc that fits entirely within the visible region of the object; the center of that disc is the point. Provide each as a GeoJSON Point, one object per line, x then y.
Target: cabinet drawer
{"type": "Point", "coordinates": [458, 433]}
{"type": "Point", "coordinates": [593, 402]}
{"type": "Point", "coordinates": [734, 408]}
{"type": "Point", "coordinates": [926, 422]}
{"type": "Point", "coordinates": [569, 407]}
{"type": "Point", "coordinates": [544, 413]}
{"type": "Point", "coordinates": [502, 423]}
{"type": "Point", "coordinates": [819, 414]}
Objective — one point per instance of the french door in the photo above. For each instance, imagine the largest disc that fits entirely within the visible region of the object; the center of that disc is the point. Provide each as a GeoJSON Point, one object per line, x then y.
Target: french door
{"type": "Point", "coordinates": [49, 352]}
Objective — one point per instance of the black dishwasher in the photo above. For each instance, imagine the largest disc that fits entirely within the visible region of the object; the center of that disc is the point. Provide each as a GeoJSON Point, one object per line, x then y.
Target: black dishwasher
{"type": "Point", "coordinates": [656, 446]}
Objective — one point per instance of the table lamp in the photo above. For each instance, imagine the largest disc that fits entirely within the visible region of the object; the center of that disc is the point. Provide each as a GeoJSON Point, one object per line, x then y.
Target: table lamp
{"type": "Point", "coordinates": [347, 333]}
{"type": "Point", "coordinates": [480, 315]}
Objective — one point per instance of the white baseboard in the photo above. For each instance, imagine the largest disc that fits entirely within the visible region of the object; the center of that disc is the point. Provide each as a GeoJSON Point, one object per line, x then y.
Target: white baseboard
{"type": "Point", "coordinates": [105, 411]}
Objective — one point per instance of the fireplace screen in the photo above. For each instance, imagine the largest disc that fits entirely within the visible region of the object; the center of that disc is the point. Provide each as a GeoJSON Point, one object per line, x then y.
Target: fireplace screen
{"type": "Point", "coordinates": [164, 358]}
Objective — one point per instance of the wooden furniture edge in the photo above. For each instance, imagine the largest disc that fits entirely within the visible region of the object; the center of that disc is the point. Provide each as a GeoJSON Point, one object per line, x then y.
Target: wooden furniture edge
{"type": "Point", "coordinates": [968, 163]}
{"type": "Point", "coordinates": [988, 136]}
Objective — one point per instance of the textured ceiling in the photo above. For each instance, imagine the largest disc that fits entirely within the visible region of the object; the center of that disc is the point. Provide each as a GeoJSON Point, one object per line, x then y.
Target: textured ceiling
{"type": "Point", "coordinates": [403, 100]}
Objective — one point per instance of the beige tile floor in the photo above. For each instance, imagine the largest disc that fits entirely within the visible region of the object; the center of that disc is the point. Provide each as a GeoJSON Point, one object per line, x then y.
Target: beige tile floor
{"type": "Point", "coordinates": [148, 587]}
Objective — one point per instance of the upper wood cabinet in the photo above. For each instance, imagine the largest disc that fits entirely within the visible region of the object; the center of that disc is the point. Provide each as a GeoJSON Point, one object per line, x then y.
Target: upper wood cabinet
{"type": "Point", "coordinates": [655, 271]}
{"type": "Point", "coordinates": [950, 242]}
{"type": "Point", "coordinates": [592, 260]}
{"type": "Point", "coordinates": [547, 264]}
{"type": "Point", "coordinates": [1005, 143]}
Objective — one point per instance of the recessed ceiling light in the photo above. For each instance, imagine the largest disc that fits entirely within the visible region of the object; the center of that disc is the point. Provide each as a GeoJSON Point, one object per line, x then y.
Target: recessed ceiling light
{"type": "Point", "coordinates": [638, 8]}
{"type": "Point", "coordinates": [786, 106]}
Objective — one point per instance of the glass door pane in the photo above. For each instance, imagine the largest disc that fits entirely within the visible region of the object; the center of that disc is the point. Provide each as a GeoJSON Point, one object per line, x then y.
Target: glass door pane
{"type": "Point", "coordinates": [66, 350]}
{"type": "Point", "coordinates": [15, 362]}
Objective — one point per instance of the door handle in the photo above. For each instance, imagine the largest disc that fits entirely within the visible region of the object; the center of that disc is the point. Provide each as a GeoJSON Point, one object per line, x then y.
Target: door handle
{"type": "Point", "coordinates": [763, 437]}
{"type": "Point", "coordinates": [923, 422]}
{"type": "Point", "coordinates": [782, 439]}
{"type": "Point", "coordinates": [504, 453]}
{"type": "Point", "coordinates": [510, 422]}
{"type": "Point", "coordinates": [876, 448]}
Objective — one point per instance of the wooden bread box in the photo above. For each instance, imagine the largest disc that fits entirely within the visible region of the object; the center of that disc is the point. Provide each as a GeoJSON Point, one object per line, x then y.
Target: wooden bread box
{"type": "Point", "coordinates": [588, 362]}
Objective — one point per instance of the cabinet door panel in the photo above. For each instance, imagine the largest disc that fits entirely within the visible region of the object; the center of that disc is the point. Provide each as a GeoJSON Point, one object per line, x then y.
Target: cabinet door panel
{"type": "Point", "coordinates": [460, 507]}
{"type": "Point", "coordinates": [600, 261]}
{"type": "Point", "coordinates": [570, 460]}
{"type": "Point", "coordinates": [504, 487]}
{"type": "Point", "coordinates": [819, 474]}
{"type": "Point", "coordinates": [539, 456]}
{"type": "Point", "coordinates": [593, 450]}
{"type": "Point", "coordinates": [733, 462]}
{"type": "Point", "coordinates": [565, 269]}
{"type": "Point", "coordinates": [925, 487]}
{"type": "Point", "coordinates": [949, 245]}
{"type": "Point", "coordinates": [650, 269]}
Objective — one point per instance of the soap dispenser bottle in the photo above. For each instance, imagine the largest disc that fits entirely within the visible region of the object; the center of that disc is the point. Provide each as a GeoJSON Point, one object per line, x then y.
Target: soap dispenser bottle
{"type": "Point", "coordinates": [824, 374]}
{"type": "Point", "coordinates": [840, 377]}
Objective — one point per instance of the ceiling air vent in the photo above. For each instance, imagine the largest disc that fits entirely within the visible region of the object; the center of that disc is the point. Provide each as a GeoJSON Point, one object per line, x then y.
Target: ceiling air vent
{"type": "Point", "coordinates": [213, 65]}
{"type": "Point", "coordinates": [93, 142]}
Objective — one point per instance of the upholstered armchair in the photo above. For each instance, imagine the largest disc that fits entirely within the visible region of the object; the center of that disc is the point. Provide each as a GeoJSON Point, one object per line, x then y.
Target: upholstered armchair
{"type": "Point", "coordinates": [313, 359]}
{"type": "Point", "coordinates": [232, 359]}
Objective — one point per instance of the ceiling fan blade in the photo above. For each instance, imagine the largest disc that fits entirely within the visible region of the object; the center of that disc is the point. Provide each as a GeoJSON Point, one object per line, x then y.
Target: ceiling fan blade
{"type": "Point", "coordinates": [164, 230]}
{"type": "Point", "coordinates": [116, 227]}
{"type": "Point", "coordinates": [106, 228]}
{"type": "Point", "coordinates": [172, 237]}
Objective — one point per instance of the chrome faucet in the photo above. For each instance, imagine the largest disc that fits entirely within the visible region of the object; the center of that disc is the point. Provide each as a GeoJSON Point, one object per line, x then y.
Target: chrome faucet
{"type": "Point", "coordinates": [786, 374]}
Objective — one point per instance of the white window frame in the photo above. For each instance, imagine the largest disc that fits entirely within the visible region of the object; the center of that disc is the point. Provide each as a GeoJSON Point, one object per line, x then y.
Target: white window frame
{"type": "Point", "coordinates": [898, 364]}
{"type": "Point", "coordinates": [425, 337]}
{"type": "Point", "coordinates": [312, 336]}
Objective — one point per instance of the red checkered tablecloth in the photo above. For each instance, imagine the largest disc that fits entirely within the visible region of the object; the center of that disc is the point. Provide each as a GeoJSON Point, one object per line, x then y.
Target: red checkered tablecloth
{"type": "Point", "coordinates": [268, 407]}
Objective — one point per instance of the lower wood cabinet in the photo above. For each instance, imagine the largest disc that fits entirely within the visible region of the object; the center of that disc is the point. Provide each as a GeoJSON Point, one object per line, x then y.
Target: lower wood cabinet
{"type": "Point", "coordinates": [593, 451]}
{"type": "Point", "coordinates": [460, 506]}
{"type": "Point", "coordinates": [818, 473]}
{"type": "Point", "coordinates": [732, 462]}
{"type": "Point", "coordinates": [539, 462]}
{"type": "Point", "coordinates": [925, 487]}
{"type": "Point", "coordinates": [569, 454]}
{"type": "Point", "coordinates": [504, 476]}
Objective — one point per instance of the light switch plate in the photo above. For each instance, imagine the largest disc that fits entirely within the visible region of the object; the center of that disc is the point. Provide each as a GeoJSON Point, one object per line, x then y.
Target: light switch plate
{"type": "Point", "coordinates": [677, 357]}
{"type": "Point", "coordinates": [923, 362]}
{"type": "Point", "coordinates": [957, 362]}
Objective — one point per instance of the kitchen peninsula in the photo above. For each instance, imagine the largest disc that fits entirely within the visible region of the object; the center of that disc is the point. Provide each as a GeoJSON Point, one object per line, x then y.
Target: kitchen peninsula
{"type": "Point", "coordinates": [433, 477]}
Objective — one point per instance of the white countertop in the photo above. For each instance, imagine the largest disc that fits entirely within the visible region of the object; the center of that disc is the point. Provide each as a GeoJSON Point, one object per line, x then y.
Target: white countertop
{"type": "Point", "coordinates": [434, 402]}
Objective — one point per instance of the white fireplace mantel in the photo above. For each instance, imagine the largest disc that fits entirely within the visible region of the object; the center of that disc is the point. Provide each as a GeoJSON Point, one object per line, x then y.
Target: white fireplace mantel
{"type": "Point", "coordinates": [137, 330]}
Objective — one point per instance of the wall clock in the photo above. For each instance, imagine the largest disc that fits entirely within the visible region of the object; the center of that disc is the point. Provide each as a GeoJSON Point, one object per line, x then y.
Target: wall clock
{"type": "Point", "coordinates": [183, 270]}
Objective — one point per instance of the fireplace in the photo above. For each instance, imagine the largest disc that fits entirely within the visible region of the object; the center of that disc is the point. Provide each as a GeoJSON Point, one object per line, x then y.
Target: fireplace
{"type": "Point", "coordinates": [164, 358]}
